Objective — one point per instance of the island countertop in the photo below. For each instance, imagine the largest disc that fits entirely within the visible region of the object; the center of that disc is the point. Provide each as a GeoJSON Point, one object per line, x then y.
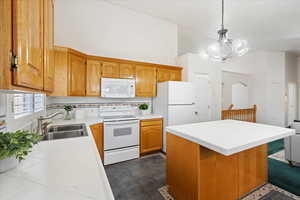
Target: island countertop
{"type": "Point", "coordinates": [230, 136]}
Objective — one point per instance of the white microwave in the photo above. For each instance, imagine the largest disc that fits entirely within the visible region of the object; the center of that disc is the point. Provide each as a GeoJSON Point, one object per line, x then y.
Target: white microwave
{"type": "Point", "coordinates": [117, 88]}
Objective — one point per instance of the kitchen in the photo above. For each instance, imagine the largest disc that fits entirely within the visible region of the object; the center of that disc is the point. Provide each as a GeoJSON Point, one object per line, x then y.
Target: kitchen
{"type": "Point", "coordinates": [103, 97]}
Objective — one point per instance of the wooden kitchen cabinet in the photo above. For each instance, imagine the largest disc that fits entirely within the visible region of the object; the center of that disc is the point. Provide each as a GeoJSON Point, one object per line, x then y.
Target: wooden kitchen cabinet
{"type": "Point", "coordinates": [74, 64]}
{"type": "Point", "coordinates": [168, 74]}
{"type": "Point", "coordinates": [110, 70]}
{"type": "Point", "coordinates": [77, 74]}
{"type": "Point", "coordinates": [97, 131]}
{"type": "Point", "coordinates": [70, 73]}
{"type": "Point", "coordinates": [175, 75]}
{"type": "Point", "coordinates": [145, 81]}
{"type": "Point", "coordinates": [49, 45]}
{"type": "Point", "coordinates": [127, 71]}
{"type": "Point", "coordinates": [93, 76]}
{"type": "Point", "coordinates": [60, 72]}
{"type": "Point", "coordinates": [151, 137]}
{"type": "Point", "coordinates": [26, 53]}
{"type": "Point", "coordinates": [28, 42]}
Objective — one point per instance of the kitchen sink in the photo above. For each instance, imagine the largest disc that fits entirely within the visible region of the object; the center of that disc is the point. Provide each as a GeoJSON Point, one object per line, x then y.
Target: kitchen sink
{"type": "Point", "coordinates": [65, 131]}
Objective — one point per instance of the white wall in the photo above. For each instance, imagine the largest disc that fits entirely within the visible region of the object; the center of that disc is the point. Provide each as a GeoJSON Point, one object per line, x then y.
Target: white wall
{"type": "Point", "coordinates": [267, 70]}
{"type": "Point", "coordinates": [99, 28]}
{"type": "Point", "coordinates": [298, 83]}
{"type": "Point", "coordinates": [291, 77]}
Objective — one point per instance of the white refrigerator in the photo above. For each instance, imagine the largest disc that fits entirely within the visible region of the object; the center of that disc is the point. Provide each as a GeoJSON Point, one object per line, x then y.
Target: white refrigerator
{"type": "Point", "coordinates": [175, 101]}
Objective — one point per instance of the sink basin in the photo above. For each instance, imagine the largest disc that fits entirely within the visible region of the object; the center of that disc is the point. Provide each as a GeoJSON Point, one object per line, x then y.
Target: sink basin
{"type": "Point", "coordinates": [71, 127]}
{"type": "Point", "coordinates": [65, 131]}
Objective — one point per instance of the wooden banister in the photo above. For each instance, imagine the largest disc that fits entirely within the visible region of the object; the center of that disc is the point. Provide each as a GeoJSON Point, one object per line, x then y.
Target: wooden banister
{"type": "Point", "coordinates": [248, 114]}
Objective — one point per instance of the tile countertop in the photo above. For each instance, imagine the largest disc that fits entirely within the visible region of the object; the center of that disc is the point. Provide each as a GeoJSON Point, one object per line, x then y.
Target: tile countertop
{"type": "Point", "coordinates": [230, 136]}
{"type": "Point", "coordinates": [150, 116]}
{"type": "Point", "coordinates": [60, 170]}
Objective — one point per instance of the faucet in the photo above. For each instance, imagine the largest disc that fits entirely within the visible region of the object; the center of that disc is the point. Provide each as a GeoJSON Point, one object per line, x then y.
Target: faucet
{"type": "Point", "coordinates": [42, 127]}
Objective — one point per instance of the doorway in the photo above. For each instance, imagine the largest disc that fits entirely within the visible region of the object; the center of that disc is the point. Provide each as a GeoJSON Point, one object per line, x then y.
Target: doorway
{"type": "Point", "coordinates": [235, 90]}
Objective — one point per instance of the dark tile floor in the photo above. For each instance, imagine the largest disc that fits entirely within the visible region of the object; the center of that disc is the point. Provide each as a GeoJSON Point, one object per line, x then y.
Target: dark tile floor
{"type": "Point", "coordinates": [137, 179]}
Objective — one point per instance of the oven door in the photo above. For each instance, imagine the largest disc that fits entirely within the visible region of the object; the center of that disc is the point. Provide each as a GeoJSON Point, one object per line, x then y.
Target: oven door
{"type": "Point", "coordinates": [120, 134]}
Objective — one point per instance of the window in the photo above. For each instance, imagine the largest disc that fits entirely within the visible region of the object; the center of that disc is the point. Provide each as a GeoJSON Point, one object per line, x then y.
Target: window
{"type": "Point", "coordinates": [24, 104]}
{"type": "Point", "coordinates": [39, 103]}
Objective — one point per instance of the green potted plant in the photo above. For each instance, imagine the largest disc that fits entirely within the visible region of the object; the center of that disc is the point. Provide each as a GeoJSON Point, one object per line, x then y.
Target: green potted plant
{"type": "Point", "coordinates": [14, 147]}
{"type": "Point", "coordinates": [68, 108]}
{"type": "Point", "coordinates": [144, 108]}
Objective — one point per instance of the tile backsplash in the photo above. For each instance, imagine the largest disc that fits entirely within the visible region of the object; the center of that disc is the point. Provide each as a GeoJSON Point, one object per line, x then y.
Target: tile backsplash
{"type": "Point", "coordinates": [90, 106]}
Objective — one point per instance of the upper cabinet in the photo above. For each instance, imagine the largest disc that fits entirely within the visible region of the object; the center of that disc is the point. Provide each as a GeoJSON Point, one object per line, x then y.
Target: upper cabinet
{"type": "Point", "coordinates": [61, 72]}
{"type": "Point", "coordinates": [93, 74]}
{"type": "Point", "coordinates": [28, 43]}
{"type": "Point", "coordinates": [48, 45]}
{"type": "Point", "coordinates": [110, 69]}
{"type": "Point", "coordinates": [70, 73]}
{"type": "Point", "coordinates": [127, 70]}
{"type": "Point", "coordinates": [77, 74]}
{"type": "Point", "coordinates": [117, 69]}
{"type": "Point", "coordinates": [84, 74]}
{"type": "Point", "coordinates": [145, 81]}
{"type": "Point", "coordinates": [168, 74]}
{"type": "Point", "coordinates": [26, 55]}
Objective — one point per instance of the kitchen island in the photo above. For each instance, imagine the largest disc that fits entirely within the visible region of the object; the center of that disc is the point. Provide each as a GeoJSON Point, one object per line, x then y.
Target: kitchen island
{"type": "Point", "coordinates": [222, 160]}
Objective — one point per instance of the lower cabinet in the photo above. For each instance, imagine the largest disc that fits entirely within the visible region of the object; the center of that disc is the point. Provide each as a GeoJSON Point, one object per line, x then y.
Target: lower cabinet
{"type": "Point", "coordinates": [151, 136]}
{"type": "Point", "coordinates": [97, 131]}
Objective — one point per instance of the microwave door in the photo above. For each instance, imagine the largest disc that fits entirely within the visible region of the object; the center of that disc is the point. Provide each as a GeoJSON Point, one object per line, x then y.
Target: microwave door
{"type": "Point", "coordinates": [117, 88]}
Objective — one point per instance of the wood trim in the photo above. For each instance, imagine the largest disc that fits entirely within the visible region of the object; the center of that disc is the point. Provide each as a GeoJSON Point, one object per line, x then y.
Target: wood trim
{"type": "Point", "coordinates": [118, 60]}
{"type": "Point", "coordinates": [169, 67]}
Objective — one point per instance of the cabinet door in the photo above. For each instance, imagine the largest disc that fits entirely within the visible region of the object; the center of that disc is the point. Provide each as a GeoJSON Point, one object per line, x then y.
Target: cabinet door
{"type": "Point", "coordinates": [110, 70]}
{"type": "Point", "coordinates": [61, 72]}
{"type": "Point", "coordinates": [151, 138]}
{"type": "Point", "coordinates": [77, 75]}
{"type": "Point", "coordinates": [127, 71]}
{"type": "Point", "coordinates": [48, 45]}
{"type": "Point", "coordinates": [97, 131]}
{"type": "Point", "coordinates": [145, 81]}
{"type": "Point", "coordinates": [28, 43]}
{"type": "Point", "coordinates": [93, 78]}
{"type": "Point", "coordinates": [163, 75]}
{"type": "Point", "coordinates": [175, 75]}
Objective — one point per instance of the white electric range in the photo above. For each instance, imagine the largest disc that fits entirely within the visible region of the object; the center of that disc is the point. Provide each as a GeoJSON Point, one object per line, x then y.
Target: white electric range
{"type": "Point", "coordinates": [121, 134]}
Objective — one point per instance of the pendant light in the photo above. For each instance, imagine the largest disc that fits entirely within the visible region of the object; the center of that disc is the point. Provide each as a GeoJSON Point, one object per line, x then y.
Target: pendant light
{"type": "Point", "coordinates": [226, 48]}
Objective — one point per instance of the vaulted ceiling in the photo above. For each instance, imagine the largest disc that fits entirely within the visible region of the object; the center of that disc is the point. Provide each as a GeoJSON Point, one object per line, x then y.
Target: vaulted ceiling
{"type": "Point", "coordinates": [266, 24]}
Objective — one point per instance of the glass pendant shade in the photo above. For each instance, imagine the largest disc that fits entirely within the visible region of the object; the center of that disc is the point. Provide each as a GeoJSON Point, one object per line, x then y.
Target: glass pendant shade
{"type": "Point", "coordinates": [240, 47]}
{"type": "Point", "coordinates": [226, 48]}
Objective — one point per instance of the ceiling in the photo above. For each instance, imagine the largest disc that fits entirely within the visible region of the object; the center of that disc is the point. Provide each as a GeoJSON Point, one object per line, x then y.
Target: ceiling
{"type": "Point", "coordinates": [266, 24]}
